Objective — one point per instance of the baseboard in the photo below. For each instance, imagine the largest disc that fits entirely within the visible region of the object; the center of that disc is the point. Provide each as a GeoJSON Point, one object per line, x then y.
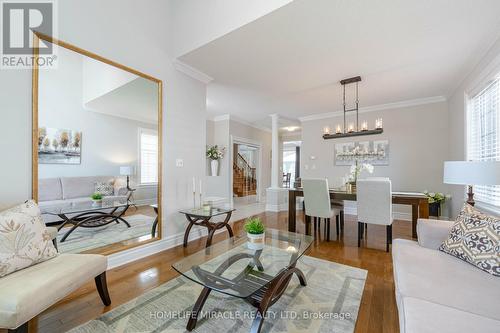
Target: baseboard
{"type": "Point", "coordinates": [144, 202]}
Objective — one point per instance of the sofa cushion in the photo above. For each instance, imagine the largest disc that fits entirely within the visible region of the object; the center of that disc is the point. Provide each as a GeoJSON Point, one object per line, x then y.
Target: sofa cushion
{"type": "Point", "coordinates": [437, 277]}
{"type": "Point", "coordinates": [104, 188]}
{"type": "Point", "coordinates": [24, 239]}
{"type": "Point", "coordinates": [475, 239]}
{"type": "Point", "coordinates": [427, 317]}
{"type": "Point", "coordinates": [28, 292]}
{"type": "Point", "coordinates": [77, 187]}
{"type": "Point", "coordinates": [49, 189]}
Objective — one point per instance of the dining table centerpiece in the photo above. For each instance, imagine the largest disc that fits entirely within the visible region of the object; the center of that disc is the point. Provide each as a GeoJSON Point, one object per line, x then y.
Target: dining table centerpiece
{"type": "Point", "coordinates": [355, 172]}
{"type": "Point", "coordinates": [214, 154]}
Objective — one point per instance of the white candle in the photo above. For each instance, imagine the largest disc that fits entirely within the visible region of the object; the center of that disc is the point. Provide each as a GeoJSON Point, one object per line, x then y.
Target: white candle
{"type": "Point", "coordinates": [194, 185]}
{"type": "Point", "coordinates": [326, 130]}
{"type": "Point", "coordinates": [338, 130]}
{"type": "Point", "coordinates": [200, 186]}
{"type": "Point", "coordinates": [351, 128]}
{"type": "Point", "coordinates": [364, 126]}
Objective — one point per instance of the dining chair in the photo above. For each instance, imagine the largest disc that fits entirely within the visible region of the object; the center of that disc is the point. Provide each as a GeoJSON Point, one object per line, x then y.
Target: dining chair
{"type": "Point", "coordinates": [374, 204]}
{"type": "Point", "coordinates": [317, 204]}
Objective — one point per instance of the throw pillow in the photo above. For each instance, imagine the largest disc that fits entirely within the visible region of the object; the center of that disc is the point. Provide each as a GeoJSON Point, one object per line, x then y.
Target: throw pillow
{"type": "Point", "coordinates": [104, 188]}
{"type": "Point", "coordinates": [24, 239]}
{"type": "Point", "coordinates": [475, 238]}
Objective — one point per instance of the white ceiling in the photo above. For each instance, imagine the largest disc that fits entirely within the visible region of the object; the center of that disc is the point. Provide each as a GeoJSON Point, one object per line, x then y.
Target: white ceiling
{"type": "Point", "coordinates": [291, 61]}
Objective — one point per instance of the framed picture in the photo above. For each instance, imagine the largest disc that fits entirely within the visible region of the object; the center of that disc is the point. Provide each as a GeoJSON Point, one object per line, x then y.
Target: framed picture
{"type": "Point", "coordinates": [373, 152]}
{"type": "Point", "coordinates": [59, 146]}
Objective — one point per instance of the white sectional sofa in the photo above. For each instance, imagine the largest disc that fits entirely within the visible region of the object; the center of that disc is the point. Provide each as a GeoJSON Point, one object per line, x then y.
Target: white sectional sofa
{"type": "Point", "coordinates": [61, 191]}
{"type": "Point", "coordinates": [436, 292]}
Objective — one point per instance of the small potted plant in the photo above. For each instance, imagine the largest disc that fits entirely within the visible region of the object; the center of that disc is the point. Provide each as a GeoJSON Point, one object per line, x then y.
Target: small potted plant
{"type": "Point", "coordinates": [435, 201]}
{"type": "Point", "coordinates": [255, 232]}
{"type": "Point", "coordinates": [355, 171]}
{"type": "Point", "coordinates": [96, 198]}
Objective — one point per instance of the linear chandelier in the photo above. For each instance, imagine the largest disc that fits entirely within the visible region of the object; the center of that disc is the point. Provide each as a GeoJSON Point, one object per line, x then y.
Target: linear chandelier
{"type": "Point", "coordinates": [349, 129]}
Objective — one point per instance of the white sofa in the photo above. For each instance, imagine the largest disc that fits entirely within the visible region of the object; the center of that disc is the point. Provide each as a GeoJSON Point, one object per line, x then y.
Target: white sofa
{"type": "Point", "coordinates": [436, 292]}
{"type": "Point", "coordinates": [60, 191]}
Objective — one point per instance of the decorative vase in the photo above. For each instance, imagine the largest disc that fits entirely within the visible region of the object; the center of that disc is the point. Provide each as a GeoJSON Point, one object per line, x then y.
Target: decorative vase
{"type": "Point", "coordinates": [434, 209]}
{"type": "Point", "coordinates": [352, 186]}
{"type": "Point", "coordinates": [256, 241]}
{"type": "Point", "coordinates": [214, 165]}
{"type": "Point", "coordinates": [96, 202]}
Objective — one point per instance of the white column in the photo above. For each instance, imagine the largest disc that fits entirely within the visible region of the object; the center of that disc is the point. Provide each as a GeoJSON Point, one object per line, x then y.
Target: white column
{"type": "Point", "coordinates": [275, 168]}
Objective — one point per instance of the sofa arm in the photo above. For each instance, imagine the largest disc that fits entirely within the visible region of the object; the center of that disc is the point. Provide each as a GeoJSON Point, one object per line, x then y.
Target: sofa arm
{"type": "Point", "coordinates": [432, 233]}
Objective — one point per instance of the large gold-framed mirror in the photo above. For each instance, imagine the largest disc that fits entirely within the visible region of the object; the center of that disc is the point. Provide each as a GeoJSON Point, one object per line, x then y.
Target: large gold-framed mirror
{"type": "Point", "coordinates": [96, 145]}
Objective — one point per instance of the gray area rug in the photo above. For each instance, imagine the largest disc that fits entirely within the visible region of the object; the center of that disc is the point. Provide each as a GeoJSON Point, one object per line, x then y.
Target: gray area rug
{"type": "Point", "coordinates": [84, 239]}
{"type": "Point", "coordinates": [329, 303]}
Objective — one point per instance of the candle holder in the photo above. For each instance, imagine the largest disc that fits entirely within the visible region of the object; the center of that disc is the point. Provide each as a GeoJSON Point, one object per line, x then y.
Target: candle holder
{"type": "Point", "coordinates": [201, 202]}
{"type": "Point", "coordinates": [194, 200]}
{"type": "Point", "coordinates": [338, 130]}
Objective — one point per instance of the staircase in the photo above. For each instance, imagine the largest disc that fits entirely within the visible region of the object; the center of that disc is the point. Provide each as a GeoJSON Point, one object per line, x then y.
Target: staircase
{"type": "Point", "coordinates": [244, 178]}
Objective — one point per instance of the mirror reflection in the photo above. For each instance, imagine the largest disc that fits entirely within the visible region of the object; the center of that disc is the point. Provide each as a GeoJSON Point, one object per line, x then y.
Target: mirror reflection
{"type": "Point", "coordinates": [98, 156]}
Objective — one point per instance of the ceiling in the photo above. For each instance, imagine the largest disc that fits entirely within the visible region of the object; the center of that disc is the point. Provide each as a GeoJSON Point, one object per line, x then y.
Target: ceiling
{"type": "Point", "coordinates": [290, 61]}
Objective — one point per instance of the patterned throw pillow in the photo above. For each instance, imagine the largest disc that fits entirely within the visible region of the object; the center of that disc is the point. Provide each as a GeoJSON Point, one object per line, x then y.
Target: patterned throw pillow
{"type": "Point", "coordinates": [24, 239]}
{"type": "Point", "coordinates": [104, 188]}
{"type": "Point", "coordinates": [475, 238]}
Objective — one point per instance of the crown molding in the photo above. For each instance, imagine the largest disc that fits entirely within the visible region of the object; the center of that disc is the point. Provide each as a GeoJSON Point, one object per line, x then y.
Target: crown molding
{"type": "Point", "coordinates": [192, 72]}
{"type": "Point", "coordinates": [380, 107]}
{"type": "Point", "coordinates": [221, 117]}
{"type": "Point", "coordinates": [241, 121]}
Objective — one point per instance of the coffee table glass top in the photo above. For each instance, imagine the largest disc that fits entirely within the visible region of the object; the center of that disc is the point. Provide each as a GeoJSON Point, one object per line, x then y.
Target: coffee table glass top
{"type": "Point", "coordinates": [233, 268]}
{"type": "Point", "coordinates": [86, 206]}
{"type": "Point", "coordinates": [200, 212]}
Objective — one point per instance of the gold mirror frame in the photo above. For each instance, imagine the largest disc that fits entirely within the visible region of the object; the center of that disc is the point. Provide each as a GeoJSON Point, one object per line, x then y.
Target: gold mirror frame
{"type": "Point", "coordinates": [37, 36]}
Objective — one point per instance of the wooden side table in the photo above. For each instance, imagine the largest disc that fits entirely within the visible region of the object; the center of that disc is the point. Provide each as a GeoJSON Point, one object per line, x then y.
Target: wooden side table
{"type": "Point", "coordinates": [201, 217]}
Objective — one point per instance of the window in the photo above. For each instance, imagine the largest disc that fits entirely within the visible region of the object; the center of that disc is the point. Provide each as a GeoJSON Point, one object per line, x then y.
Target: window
{"type": "Point", "coordinates": [483, 136]}
{"type": "Point", "coordinates": [148, 156]}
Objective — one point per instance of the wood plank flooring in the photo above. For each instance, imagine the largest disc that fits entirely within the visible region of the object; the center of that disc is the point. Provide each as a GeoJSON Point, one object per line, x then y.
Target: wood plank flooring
{"type": "Point", "coordinates": [377, 313]}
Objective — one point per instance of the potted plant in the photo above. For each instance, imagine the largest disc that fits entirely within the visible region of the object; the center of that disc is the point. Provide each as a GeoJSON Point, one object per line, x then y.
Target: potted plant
{"type": "Point", "coordinates": [255, 232]}
{"type": "Point", "coordinates": [435, 201]}
{"type": "Point", "coordinates": [355, 171]}
{"type": "Point", "coordinates": [96, 198]}
{"type": "Point", "coordinates": [215, 154]}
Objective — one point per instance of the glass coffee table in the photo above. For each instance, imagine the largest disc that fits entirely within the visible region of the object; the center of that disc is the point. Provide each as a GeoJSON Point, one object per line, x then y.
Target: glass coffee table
{"type": "Point", "coordinates": [259, 277]}
{"type": "Point", "coordinates": [88, 214]}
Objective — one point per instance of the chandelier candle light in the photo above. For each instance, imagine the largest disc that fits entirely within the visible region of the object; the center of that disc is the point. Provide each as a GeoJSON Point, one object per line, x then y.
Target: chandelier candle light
{"type": "Point", "coordinates": [351, 130]}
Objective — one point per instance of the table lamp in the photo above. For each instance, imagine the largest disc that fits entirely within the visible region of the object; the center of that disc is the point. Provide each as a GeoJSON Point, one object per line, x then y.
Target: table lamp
{"type": "Point", "coordinates": [471, 173]}
{"type": "Point", "coordinates": [127, 170]}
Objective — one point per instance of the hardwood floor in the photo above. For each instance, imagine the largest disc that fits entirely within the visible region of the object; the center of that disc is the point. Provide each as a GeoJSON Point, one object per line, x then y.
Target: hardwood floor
{"type": "Point", "coordinates": [377, 313]}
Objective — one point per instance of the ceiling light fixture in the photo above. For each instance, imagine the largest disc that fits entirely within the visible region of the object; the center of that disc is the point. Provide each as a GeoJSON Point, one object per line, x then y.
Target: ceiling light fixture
{"type": "Point", "coordinates": [350, 129]}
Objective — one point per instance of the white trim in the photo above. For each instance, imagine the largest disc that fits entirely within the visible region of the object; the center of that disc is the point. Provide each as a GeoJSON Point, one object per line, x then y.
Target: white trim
{"type": "Point", "coordinates": [222, 117]}
{"type": "Point", "coordinates": [241, 121]}
{"type": "Point", "coordinates": [388, 106]}
{"type": "Point", "coordinates": [192, 72]}
{"type": "Point", "coordinates": [149, 131]}
{"type": "Point", "coordinates": [276, 208]}
{"type": "Point", "coordinates": [257, 144]}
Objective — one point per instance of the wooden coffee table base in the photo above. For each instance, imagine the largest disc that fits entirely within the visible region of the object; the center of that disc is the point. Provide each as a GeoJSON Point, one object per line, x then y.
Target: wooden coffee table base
{"type": "Point", "coordinates": [211, 226]}
{"type": "Point", "coordinates": [262, 299]}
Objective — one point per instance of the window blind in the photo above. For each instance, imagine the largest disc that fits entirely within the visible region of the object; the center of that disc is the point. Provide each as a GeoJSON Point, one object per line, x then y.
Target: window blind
{"type": "Point", "coordinates": [148, 158]}
{"type": "Point", "coordinates": [483, 136]}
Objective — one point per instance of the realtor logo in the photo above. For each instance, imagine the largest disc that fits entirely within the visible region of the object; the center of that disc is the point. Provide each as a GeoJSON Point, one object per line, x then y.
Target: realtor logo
{"type": "Point", "coordinates": [19, 22]}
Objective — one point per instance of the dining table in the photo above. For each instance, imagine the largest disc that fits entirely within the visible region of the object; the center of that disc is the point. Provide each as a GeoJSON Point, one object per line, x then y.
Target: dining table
{"type": "Point", "coordinates": [417, 200]}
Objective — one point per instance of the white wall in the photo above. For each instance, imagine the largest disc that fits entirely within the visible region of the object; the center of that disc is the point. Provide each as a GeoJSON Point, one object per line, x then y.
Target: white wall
{"type": "Point", "coordinates": [418, 147]}
{"type": "Point", "coordinates": [199, 22]}
{"type": "Point", "coordinates": [136, 34]}
{"type": "Point", "coordinates": [487, 67]}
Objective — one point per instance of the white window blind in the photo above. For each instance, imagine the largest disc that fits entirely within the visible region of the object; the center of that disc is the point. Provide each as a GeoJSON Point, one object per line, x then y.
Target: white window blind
{"type": "Point", "coordinates": [483, 136]}
{"type": "Point", "coordinates": [148, 157]}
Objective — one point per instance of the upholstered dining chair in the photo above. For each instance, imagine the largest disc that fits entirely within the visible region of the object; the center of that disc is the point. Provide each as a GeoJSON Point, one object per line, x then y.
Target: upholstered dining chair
{"type": "Point", "coordinates": [318, 206]}
{"type": "Point", "coordinates": [374, 205]}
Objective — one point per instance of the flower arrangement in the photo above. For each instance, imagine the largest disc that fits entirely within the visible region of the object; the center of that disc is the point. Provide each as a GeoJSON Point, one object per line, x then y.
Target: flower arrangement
{"type": "Point", "coordinates": [254, 226]}
{"type": "Point", "coordinates": [436, 197]}
{"type": "Point", "coordinates": [356, 170]}
{"type": "Point", "coordinates": [214, 153]}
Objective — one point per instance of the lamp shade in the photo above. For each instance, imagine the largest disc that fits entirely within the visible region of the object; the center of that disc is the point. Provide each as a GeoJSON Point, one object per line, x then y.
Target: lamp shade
{"type": "Point", "coordinates": [472, 172]}
{"type": "Point", "coordinates": [126, 170]}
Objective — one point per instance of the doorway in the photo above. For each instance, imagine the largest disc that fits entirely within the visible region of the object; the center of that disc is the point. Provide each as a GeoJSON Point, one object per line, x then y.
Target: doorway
{"type": "Point", "coordinates": [291, 162]}
{"type": "Point", "coordinates": [246, 156]}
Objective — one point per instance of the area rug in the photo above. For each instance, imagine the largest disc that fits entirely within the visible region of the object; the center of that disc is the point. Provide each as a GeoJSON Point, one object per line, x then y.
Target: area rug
{"type": "Point", "coordinates": [84, 239]}
{"type": "Point", "coordinates": [329, 303]}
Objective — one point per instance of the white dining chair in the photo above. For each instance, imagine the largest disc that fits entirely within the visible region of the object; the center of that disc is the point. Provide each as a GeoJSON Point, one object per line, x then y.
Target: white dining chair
{"type": "Point", "coordinates": [374, 203]}
{"type": "Point", "coordinates": [317, 204]}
